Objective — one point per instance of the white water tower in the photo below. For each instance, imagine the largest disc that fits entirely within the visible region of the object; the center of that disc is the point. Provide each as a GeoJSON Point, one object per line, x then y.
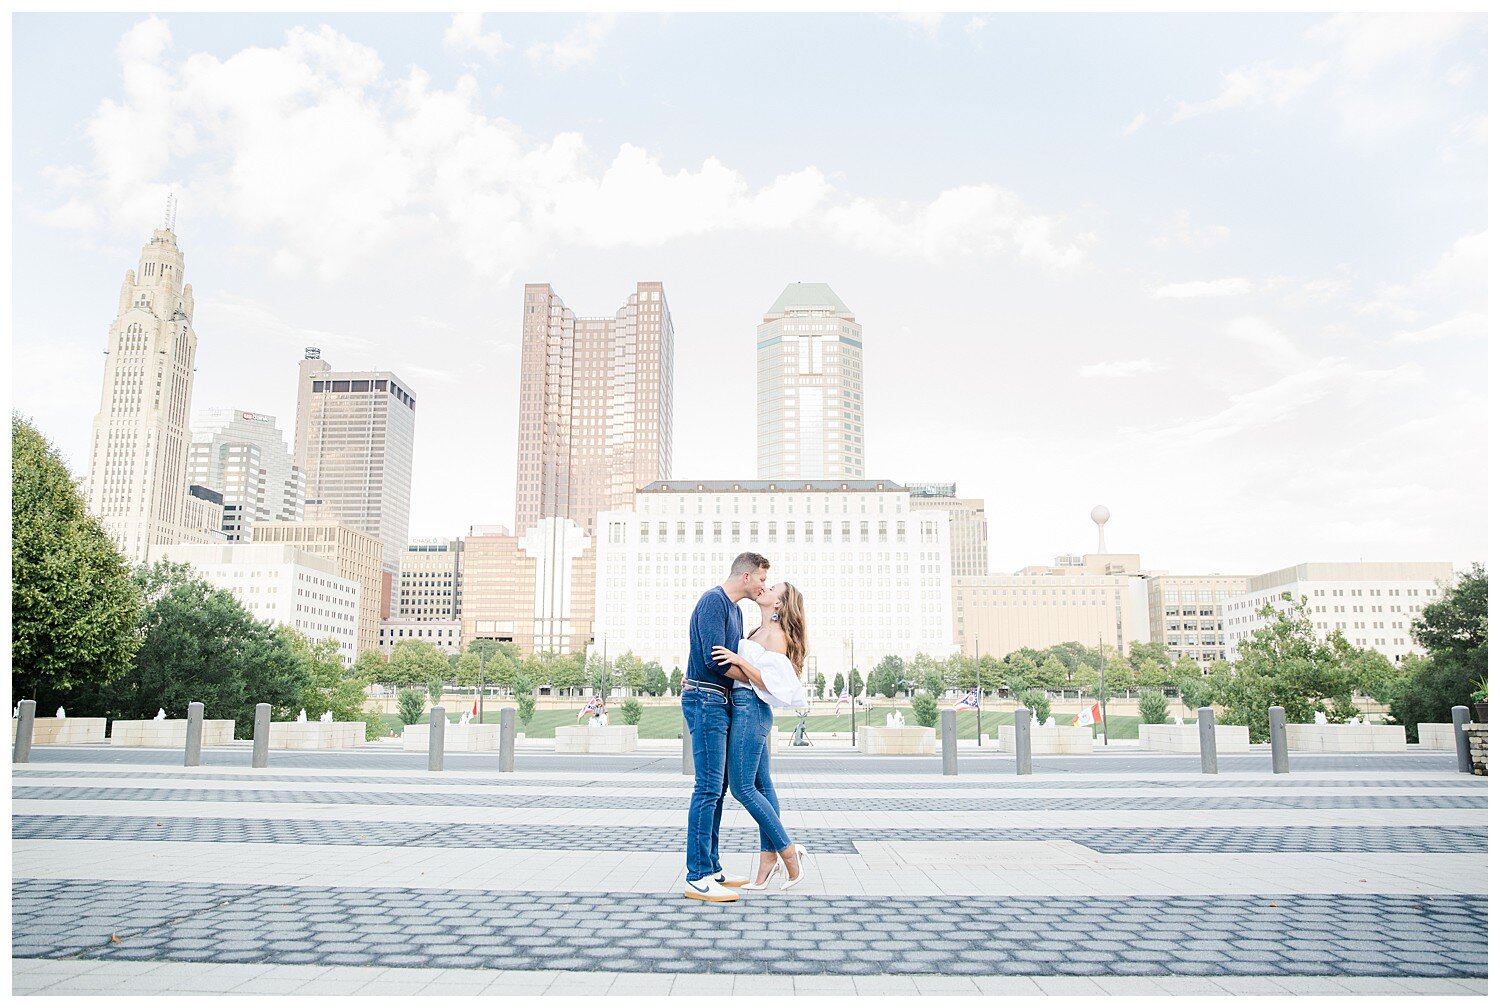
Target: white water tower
{"type": "Point", "coordinates": [1100, 514]}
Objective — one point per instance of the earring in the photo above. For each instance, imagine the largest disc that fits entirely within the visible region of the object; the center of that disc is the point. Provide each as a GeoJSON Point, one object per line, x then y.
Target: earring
{"type": "Point", "coordinates": [776, 617]}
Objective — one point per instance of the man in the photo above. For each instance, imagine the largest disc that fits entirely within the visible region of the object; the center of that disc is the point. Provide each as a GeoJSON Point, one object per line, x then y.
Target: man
{"type": "Point", "coordinates": [706, 708]}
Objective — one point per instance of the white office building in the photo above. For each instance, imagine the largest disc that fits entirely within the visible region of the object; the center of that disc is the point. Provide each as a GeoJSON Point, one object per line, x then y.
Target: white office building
{"type": "Point", "coordinates": [280, 584]}
{"type": "Point", "coordinates": [244, 457]}
{"type": "Point", "coordinates": [876, 575]}
{"type": "Point", "coordinates": [445, 635]}
{"type": "Point", "coordinates": [1372, 603]}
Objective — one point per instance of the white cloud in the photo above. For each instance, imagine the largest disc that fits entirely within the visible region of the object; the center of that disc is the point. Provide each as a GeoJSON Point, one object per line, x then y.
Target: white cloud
{"type": "Point", "coordinates": [466, 33]}
{"type": "Point", "coordinates": [579, 46]}
{"type": "Point", "coordinates": [925, 23]}
{"type": "Point", "coordinates": [1225, 287]}
{"type": "Point", "coordinates": [1464, 326]}
{"type": "Point", "coordinates": [1460, 276]}
{"type": "Point", "coordinates": [1270, 342]}
{"type": "Point", "coordinates": [1252, 87]}
{"type": "Point", "coordinates": [975, 27]}
{"type": "Point", "coordinates": [1120, 369]}
{"type": "Point", "coordinates": [1140, 120]}
{"type": "Point", "coordinates": [1181, 231]}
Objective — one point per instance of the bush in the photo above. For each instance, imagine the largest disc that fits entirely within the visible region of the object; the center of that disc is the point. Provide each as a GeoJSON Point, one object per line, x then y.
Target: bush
{"type": "Point", "coordinates": [1036, 700]}
{"type": "Point", "coordinates": [631, 711]}
{"type": "Point", "coordinates": [924, 709]}
{"type": "Point", "coordinates": [409, 705]}
{"type": "Point", "coordinates": [374, 725]}
{"type": "Point", "coordinates": [1153, 707]}
{"type": "Point", "coordinates": [525, 708]}
{"type": "Point", "coordinates": [435, 690]}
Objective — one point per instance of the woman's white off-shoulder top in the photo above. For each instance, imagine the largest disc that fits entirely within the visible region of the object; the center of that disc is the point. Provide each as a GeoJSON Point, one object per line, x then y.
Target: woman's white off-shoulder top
{"type": "Point", "coordinates": [783, 689]}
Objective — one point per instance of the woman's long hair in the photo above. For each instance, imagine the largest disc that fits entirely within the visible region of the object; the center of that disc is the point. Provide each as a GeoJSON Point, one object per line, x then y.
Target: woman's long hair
{"type": "Point", "coordinates": [794, 626]}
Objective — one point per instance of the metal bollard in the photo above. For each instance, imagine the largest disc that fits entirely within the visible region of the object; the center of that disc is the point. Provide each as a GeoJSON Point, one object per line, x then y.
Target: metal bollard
{"type": "Point", "coordinates": [437, 720]}
{"type": "Point", "coordinates": [1208, 743]}
{"type": "Point", "coordinates": [261, 748]}
{"type": "Point", "coordinates": [25, 725]}
{"type": "Point", "coordinates": [1279, 762]}
{"type": "Point", "coordinates": [193, 747]}
{"type": "Point", "coordinates": [949, 724]}
{"type": "Point", "coordinates": [1023, 741]}
{"type": "Point", "coordinates": [508, 740]}
{"type": "Point", "coordinates": [1460, 740]}
{"type": "Point", "coordinates": [687, 750]}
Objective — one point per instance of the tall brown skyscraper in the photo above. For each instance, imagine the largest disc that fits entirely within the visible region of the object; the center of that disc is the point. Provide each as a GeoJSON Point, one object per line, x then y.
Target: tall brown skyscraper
{"type": "Point", "coordinates": [596, 406]}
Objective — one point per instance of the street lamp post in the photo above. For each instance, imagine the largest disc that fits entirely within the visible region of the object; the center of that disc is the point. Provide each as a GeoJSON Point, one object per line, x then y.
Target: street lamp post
{"type": "Point", "coordinates": [978, 697]}
{"type": "Point", "coordinates": [1103, 702]}
{"type": "Point", "coordinates": [482, 652]}
{"type": "Point", "coordinates": [852, 698]}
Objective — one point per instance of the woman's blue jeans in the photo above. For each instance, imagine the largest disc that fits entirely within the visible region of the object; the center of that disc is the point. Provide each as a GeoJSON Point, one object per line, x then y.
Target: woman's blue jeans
{"type": "Point", "coordinates": [750, 767]}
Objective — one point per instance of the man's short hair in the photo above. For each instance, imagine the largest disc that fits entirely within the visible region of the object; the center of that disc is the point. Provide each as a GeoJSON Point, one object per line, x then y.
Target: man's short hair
{"type": "Point", "coordinates": [747, 563]}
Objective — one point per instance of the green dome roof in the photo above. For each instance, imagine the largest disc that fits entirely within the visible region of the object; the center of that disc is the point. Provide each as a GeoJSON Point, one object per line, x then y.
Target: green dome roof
{"type": "Point", "coordinates": [808, 295]}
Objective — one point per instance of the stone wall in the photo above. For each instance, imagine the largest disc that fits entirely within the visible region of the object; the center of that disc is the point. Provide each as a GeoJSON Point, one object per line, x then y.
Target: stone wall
{"type": "Point", "coordinates": [1479, 747]}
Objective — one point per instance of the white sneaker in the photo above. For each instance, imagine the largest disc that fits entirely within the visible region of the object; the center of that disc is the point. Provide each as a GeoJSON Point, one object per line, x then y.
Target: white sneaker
{"type": "Point", "coordinates": [709, 891]}
{"type": "Point", "coordinates": [729, 881]}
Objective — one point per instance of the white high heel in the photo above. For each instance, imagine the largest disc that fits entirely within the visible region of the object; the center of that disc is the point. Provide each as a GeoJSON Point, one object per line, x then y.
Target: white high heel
{"type": "Point", "coordinates": [802, 856]}
{"type": "Point", "coordinates": [758, 886]}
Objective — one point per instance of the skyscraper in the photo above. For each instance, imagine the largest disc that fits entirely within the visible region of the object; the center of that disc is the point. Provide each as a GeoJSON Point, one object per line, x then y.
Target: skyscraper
{"type": "Point", "coordinates": [355, 431]}
{"type": "Point", "coordinates": [244, 456]}
{"type": "Point", "coordinates": [810, 385]}
{"type": "Point", "coordinates": [968, 531]}
{"type": "Point", "coordinates": [137, 479]}
{"type": "Point", "coordinates": [596, 406]}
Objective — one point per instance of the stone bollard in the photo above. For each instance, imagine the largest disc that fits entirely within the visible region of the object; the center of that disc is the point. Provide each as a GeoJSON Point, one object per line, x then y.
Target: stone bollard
{"type": "Point", "coordinates": [1460, 740]}
{"type": "Point", "coordinates": [193, 747]}
{"type": "Point", "coordinates": [950, 743]}
{"type": "Point", "coordinates": [437, 720]}
{"type": "Point", "coordinates": [687, 750]}
{"type": "Point", "coordinates": [508, 740]}
{"type": "Point", "coordinates": [1208, 743]}
{"type": "Point", "coordinates": [1023, 741]}
{"type": "Point", "coordinates": [261, 749]}
{"type": "Point", "coordinates": [1279, 762]}
{"type": "Point", "coordinates": [26, 724]}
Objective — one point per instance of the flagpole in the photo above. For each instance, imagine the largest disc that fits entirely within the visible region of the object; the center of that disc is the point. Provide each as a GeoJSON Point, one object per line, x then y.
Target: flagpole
{"type": "Point", "coordinates": [1103, 703]}
{"type": "Point", "coordinates": [978, 697]}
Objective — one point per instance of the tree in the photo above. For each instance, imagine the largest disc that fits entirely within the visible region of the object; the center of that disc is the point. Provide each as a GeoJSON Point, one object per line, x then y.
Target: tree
{"type": "Point", "coordinates": [198, 643]}
{"type": "Point", "coordinates": [1153, 707]}
{"type": "Point", "coordinates": [656, 678]}
{"type": "Point", "coordinates": [1284, 664]}
{"type": "Point", "coordinates": [991, 672]}
{"type": "Point", "coordinates": [1036, 701]}
{"type": "Point", "coordinates": [630, 671]}
{"type": "Point", "coordinates": [819, 684]}
{"type": "Point", "coordinates": [561, 671]}
{"type": "Point", "coordinates": [1078, 659]}
{"type": "Point", "coordinates": [525, 701]}
{"type": "Point", "coordinates": [674, 683]}
{"type": "Point", "coordinates": [490, 660]}
{"type": "Point", "coordinates": [925, 709]}
{"type": "Point", "coordinates": [1455, 631]}
{"type": "Point", "coordinates": [74, 606]}
{"type": "Point", "coordinates": [1118, 676]}
{"type": "Point", "coordinates": [372, 667]}
{"type": "Point", "coordinates": [631, 711]}
{"type": "Point", "coordinates": [856, 684]}
{"type": "Point", "coordinates": [329, 686]}
{"type": "Point", "coordinates": [1150, 674]}
{"type": "Point", "coordinates": [418, 661]}
{"type": "Point", "coordinates": [597, 674]}
{"type": "Point", "coordinates": [435, 690]}
{"type": "Point", "coordinates": [888, 676]}
{"type": "Point", "coordinates": [1142, 652]}
{"type": "Point", "coordinates": [1204, 690]}
{"type": "Point", "coordinates": [1019, 672]}
{"type": "Point", "coordinates": [410, 703]}
{"type": "Point", "coordinates": [1052, 674]}
{"type": "Point", "coordinates": [838, 684]}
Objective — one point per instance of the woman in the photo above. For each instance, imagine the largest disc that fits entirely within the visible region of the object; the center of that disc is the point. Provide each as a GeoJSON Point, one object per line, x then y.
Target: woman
{"type": "Point", "coordinates": [766, 672]}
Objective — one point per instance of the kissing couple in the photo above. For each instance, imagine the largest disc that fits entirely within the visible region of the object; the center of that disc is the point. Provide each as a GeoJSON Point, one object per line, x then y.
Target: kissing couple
{"type": "Point", "coordinates": [731, 685]}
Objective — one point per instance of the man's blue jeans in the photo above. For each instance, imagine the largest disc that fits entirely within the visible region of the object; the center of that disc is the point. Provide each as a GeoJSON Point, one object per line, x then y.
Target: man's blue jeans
{"type": "Point", "coordinates": [750, 768]}
{"type": "Point", "coordinates": [707, 715]}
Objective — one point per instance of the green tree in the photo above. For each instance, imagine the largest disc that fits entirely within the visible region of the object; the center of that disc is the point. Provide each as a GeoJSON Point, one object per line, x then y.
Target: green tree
{"type": "Point", "coordinates": [856, 683]}
{"type": "Point", "coordinates": [887, 677]}
{"type": "Point", "coordinates": [75, 609]}
{"type": "Point", "coordinates": [631, 711]}
{"type": "Point", "coordinates": [598, 675]}
{"type": "Point", "coordinates": [417, 661]}
{"type": "Point", "coordinates": [838, 684]}
{"type": "Point", "coordinates": [1142, 652]}
{"type": "Point", "coordinates": [1285, 664]}
{"type": "Point", "coordinates": [493, 661]}
{"type": "Point", "coordinates": [1036, 701]}
{"type": "Point", "coordinates": [819, 684]}
{"type": "Point", "coordinates": [1455, 631]}
{"type": "Point", "coordinates": [925, 709]}
{"type": "Point", "coordinates": [525, 700]}
{"type": "Point", "coordinates": [562, 672]}
{"type": "Point", "coordinates": [1118, 676]}
{"type": "Point", "coordinates": [329, 686]}
{"type": "Point", "coordinates": [372, 667]}
{"type": "Point", "coordinates": [656, 678]}
{"type": "Point", "coordinates": [1075, 657]}
{"type": "Point", "coordinates": [410, 703]}
{"type": "Point", "coordinates": [1150, 674]}
{"type": "Point", "coordinates": [1052, 674]}
{"type": "Point", "coordinates": [1208, 688]}
{"type": "Point", "coordinates": [630, 671]}
{"type": "Point", "coordinates": [674, 683]}
{"type": "Point", "coordinates": [991, 673]}
{"type": "Point", "coordinates": [1153, 706]}
{"type": "Point", "coordinates": [435, 690]}
{"type": "Point", "coordinates": [1020, 672]}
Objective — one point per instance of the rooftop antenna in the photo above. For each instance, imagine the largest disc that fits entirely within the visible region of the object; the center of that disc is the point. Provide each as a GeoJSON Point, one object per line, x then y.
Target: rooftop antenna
{"type": "Point", "coordinates": [170, 223]}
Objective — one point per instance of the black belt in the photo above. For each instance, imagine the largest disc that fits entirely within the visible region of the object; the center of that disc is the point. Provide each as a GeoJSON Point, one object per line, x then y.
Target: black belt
{"type": "Point", "coordinates": [700, 684]}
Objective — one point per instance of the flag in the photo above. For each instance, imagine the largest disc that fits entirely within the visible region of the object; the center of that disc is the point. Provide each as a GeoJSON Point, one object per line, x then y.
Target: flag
{"type": "Point", "coordinates": [474, 711]}
{"type": "Point", "coordinates": [969, 702]}
{"type": "Point", "coordinates": [594, 706]}
{"type": "Point", "coordinates": [842, 697]}
{"type": "Point", "coordinates": [1090, 715]}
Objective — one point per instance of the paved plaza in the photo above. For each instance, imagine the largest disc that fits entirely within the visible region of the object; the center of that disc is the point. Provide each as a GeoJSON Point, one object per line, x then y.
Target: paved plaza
{"type": "Point", "coordinates": [1122, 872]}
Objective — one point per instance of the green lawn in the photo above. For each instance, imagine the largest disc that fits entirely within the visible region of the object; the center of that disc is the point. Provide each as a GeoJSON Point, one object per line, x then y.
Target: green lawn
{"type": "Point", "coordinates": [666, 722]}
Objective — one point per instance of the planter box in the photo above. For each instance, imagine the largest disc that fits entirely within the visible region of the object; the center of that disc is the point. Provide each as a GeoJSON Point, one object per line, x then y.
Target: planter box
{"type": "Point", "coordinates": [912, 740]}
{"type": "Point", "coordinates": [1184, 738]}
{"type": "Point", "coordinates": [1437, 736]}
{"type": "Point", "coordinates": [471, 737]}
{"type": "Point", "coordinates": [317, 735]}
{"type": "Point", "coordinates": [1059, 740]}
{"type": "Point", "coordinates": [1346, 738]}
{"type": "Point", "coordinates": [168, 734]}
{"type": "Point", "coordinates": [62, 731]}
{"type": "Point", "coordinates": [609, 739]}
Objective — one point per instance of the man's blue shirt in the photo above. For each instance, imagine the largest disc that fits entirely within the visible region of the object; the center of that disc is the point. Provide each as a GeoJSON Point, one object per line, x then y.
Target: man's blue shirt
{"type": "Point", "coordinates": [716, 622]}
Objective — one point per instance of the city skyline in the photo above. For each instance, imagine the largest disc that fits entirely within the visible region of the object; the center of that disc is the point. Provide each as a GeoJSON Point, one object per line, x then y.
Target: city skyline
{"type": "Point", "coordinates": [1249, 378]}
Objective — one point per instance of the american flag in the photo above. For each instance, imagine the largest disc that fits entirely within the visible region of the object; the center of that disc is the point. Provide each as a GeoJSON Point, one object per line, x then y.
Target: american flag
{"type": "Point", "coordinates": [594, 706]}
{"type": "Point", "coordinates": [969, 702]}
{"type": "Point", "coordinates": [842, 697]}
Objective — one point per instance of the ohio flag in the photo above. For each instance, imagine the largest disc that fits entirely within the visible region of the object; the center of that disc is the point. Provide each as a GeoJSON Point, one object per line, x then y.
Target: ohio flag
{"type": "Point", "coordinates": [594, 706]}
{"type": "Point", "coordinates": [1090, 715]}
{"type": "Point", "coordinates": [969, 702]}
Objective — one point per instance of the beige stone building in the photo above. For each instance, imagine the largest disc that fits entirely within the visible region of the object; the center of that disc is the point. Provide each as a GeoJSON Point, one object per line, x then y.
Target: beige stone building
{"type": "Point", "coordinates": [595, 406]}
{"type": "Point", "coordinates": [968, 531]}
{"type": "Point", "coordinates": [1187, 613]}
{"type": "Point", "coordinates": [432, 578]}
{"type": "Point", "coordinates": [1089, 599]}
{"type": "Point", "coordinates": [355, 436]}
{"type": "Point", "coordinates": [535, 590]}
{"type": "Point", "coordinates": [357, 556]}
{"type": "Point", "coordinates": [810, 385]}
{"type": "Point", "coordinates": [137, 481]}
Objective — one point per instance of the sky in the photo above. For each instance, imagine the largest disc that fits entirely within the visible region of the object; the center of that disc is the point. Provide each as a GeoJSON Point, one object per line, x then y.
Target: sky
{"type": "Point", "coordinates": [1224, 274]}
